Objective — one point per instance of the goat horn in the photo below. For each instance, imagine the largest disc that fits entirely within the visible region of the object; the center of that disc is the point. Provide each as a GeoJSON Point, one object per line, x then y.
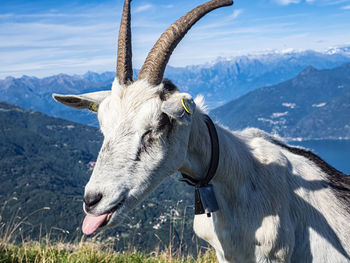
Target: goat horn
{"type": "Point", "coordinates": [158, 57]}
{"type": "Point", "coordinates": [124, 62]}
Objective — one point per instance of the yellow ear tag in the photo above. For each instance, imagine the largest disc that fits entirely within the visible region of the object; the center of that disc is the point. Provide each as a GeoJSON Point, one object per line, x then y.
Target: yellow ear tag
{"type": "Point", "coordinates": [187, 106]}
{"type": "Point", "coordinates": [94, 107]}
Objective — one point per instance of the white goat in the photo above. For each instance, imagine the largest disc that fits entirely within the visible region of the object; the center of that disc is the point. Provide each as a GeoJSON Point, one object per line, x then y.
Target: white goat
{"type": "Point", "coordinates": [277, 203]}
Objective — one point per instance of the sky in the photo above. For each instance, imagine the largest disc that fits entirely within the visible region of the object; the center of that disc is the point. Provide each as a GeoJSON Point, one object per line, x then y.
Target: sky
{"type": "Point", "coordinates": [45, 37]}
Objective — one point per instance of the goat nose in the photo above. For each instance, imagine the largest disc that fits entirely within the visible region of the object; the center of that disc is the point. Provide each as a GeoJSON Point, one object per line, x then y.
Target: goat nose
{"type": "Point", "coordinates": [92, 199]}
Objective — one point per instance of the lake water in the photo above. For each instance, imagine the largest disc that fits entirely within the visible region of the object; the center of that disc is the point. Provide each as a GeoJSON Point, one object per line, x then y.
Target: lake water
{"type": "Point", "coordinates": [336, 153]}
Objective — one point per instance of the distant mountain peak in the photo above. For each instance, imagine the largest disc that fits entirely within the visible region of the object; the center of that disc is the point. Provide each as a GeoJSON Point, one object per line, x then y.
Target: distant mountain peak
{"type": "Point", "coordinates": [308, 70]}
{"type": "Point", "coordinates": [107, 76]}
{"type": "Point", "coordinates": [275, 54]}
{"type": "Point", "coordinates": [342, 50]}
{"type": "Point", "coordinates": [9, 78]}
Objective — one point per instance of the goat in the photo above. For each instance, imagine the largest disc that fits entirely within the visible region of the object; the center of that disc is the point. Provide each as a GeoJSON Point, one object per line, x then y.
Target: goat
{"type": "Point", "coordinates": [277, 203]}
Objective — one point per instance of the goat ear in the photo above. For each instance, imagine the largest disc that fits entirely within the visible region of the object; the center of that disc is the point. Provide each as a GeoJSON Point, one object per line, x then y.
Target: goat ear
{"type": "Point", "coordinates": [89, 101]}
{"type": "Point", "coordinates": [180, 107]}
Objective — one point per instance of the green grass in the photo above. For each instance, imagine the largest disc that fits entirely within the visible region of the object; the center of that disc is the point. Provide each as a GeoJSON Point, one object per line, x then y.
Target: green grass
{"type": "Point", "coordinates": [84, 251]}
{"type": "Point", "coordinates": [88, 252]}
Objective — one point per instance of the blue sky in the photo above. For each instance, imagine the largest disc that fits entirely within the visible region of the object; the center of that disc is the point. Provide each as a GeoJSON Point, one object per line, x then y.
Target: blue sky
{"type": "Point", "coordinates": [41, 38]}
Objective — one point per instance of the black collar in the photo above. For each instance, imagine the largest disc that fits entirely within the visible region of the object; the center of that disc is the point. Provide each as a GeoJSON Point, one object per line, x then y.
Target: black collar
{"type": "Point", "coordinates": [214, 159]}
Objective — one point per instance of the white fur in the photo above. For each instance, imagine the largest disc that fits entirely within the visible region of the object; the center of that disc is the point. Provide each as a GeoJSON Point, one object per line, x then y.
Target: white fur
{"type": "Point", "coordinates": [273, 206]}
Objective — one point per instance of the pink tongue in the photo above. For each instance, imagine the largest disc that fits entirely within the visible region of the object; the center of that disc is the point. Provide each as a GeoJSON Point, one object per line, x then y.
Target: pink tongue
{"type": "Point", "coordinates": [91, 223]}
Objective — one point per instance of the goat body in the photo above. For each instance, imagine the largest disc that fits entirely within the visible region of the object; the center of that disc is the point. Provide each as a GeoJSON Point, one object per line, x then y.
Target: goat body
{"type": "Point", "coordinates": [277, 203]}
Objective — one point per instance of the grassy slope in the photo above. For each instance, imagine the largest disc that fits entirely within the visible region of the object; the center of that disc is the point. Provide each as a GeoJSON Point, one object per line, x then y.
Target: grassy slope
{"type": "Point", "coordinates": [89, 252]}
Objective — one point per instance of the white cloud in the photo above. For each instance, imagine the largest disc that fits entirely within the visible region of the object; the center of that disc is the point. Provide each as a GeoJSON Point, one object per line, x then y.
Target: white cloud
{"type": "Point", "coordinates": [347, 7]}
{"type": "Point", "coordinates": [333, 2]}
{"type": "Point", "coordinates": [142, 8]}
{"type": "Point", "coordinates": [287, 2]}
{"type": "Point", "coordinates": [36, 48]}
{"type": "Point", "coordinates": [319, 2]}
{"type": "Point", "coordinates": [236, 13]}
{"type": "Point", "coordinates": [168, 6]}
{"type": "Point", "coordinates": [84, 37]}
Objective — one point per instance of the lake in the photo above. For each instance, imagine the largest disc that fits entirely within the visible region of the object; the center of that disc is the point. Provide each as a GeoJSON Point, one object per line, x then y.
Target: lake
{"type": "Point", "coordinates": [336, 153]}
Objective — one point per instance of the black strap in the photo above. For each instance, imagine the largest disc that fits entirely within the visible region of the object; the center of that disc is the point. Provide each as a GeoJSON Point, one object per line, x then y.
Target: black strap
{"type": "Point", "coordinates": [214, 159]}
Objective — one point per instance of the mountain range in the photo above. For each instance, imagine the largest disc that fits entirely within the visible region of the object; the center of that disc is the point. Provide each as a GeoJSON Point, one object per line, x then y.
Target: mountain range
{"type": "Point", "coordinates": [36, 94]}
{"type": "Point", "coordinates": [220, 81]}
{"type": "Point", "coordinates": [228, 78]}
{"type": "Point", "coordinates": [313, 105]}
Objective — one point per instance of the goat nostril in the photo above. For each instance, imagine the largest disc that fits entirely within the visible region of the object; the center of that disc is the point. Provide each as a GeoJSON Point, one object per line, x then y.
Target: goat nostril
{"type": "Point", "coordinates": [92, 199]}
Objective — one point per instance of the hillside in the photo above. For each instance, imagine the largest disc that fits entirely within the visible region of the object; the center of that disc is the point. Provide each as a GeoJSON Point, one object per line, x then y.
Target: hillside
{"type": "Point", "coordinates": [45, 163]}
{"type": "Point", "coordinates": [34, 155]}
{"type": "Point", "coordinates": [220, 81]}
{"type": "Point", "coordinates": [36, 94]}
{"type": "Point", "coordinates": [315, 104]}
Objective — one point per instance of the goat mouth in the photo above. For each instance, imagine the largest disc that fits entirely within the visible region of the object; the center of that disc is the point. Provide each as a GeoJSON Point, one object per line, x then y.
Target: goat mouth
{"type": "Point", "coordinates": [118, 206]}
{"type": "Point", "coordinates": [92, 223]}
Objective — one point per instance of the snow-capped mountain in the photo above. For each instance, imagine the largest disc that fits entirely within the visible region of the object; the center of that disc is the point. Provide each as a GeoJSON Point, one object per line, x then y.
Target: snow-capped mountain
{"type": "Point", "coordinates": [219, 81]}
{"type": "Point", "coordinates": [345, 50]}
{"type": "Point", "coordinates": [229, 78]}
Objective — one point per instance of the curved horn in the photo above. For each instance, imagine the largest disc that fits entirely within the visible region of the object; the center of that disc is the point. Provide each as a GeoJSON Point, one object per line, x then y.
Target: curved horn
{"type": "Point", "coordinates": [158, 57]}
{"type": "Point", "coordinates": [124, 62]}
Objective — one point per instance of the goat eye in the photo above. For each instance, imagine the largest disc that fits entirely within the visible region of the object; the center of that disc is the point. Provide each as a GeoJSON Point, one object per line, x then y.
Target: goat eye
{"type": "Point", "coordinates": [144, 135]}
{"type": "Point", "coordinates": [164, 121]}
{"type": "Point", "coordinates": [143, 145]}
